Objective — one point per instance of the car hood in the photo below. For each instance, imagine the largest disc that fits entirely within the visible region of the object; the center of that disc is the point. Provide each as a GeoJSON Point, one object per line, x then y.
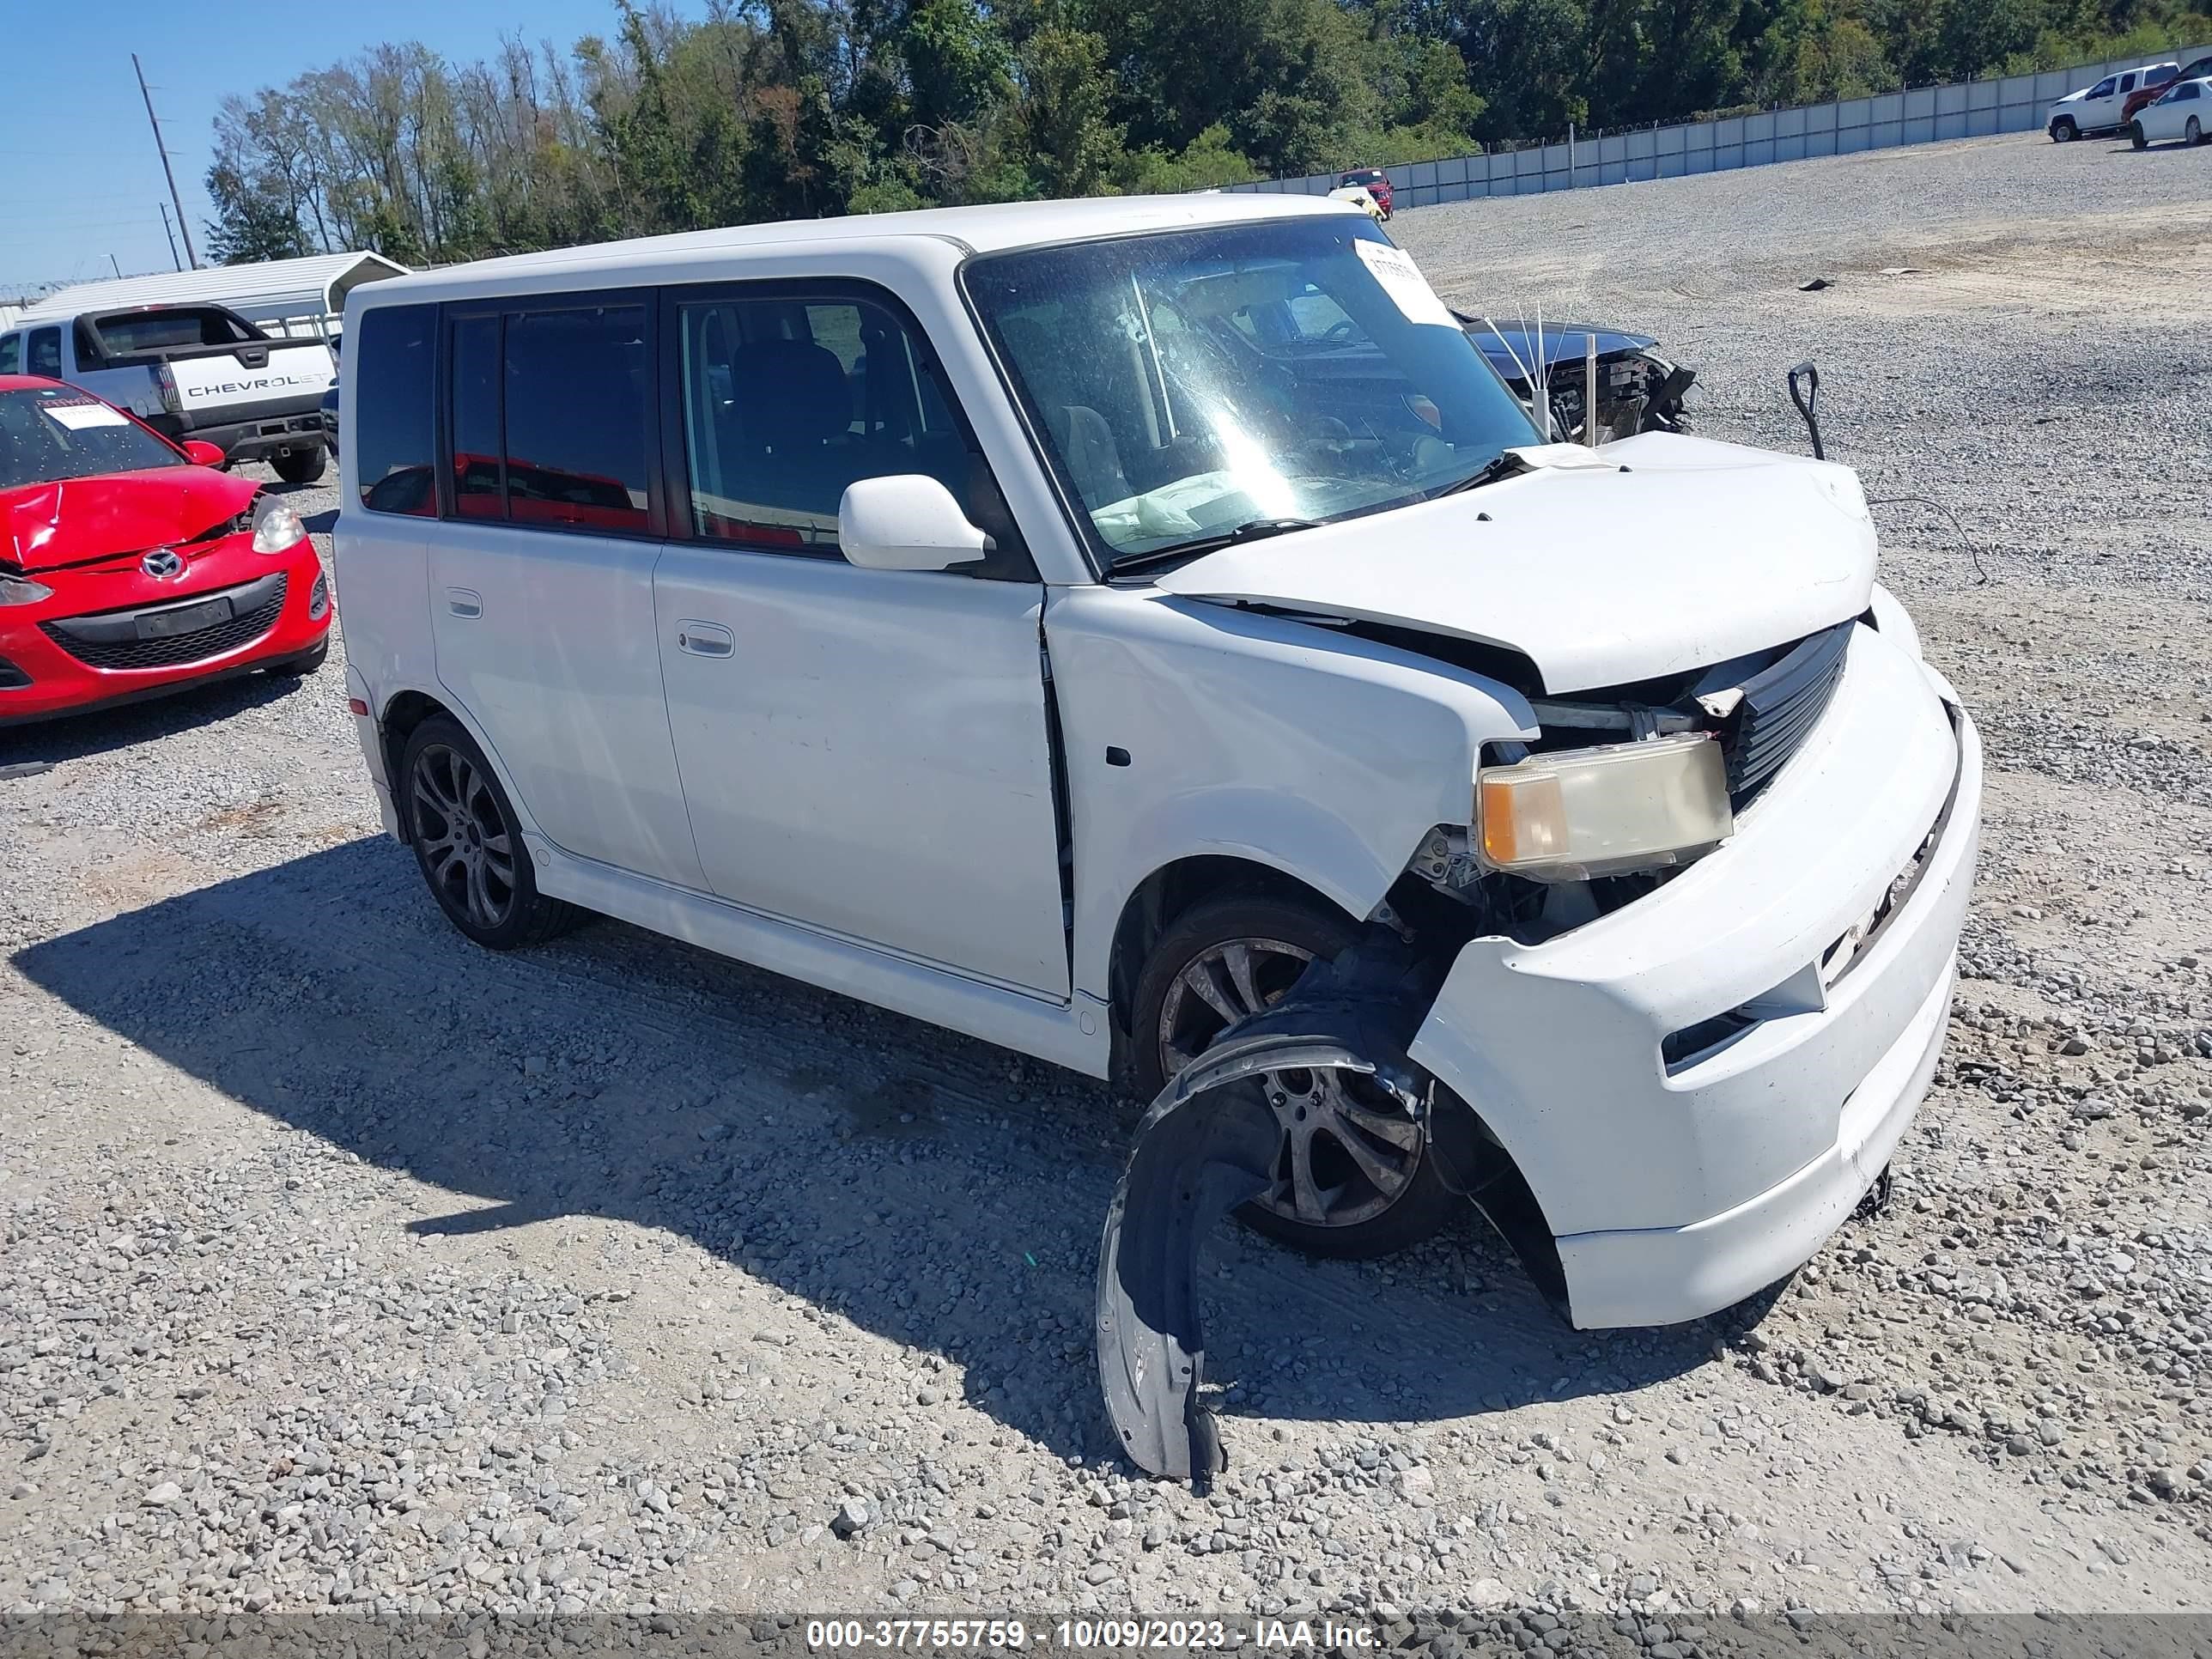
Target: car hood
{"type": "Point", "coordinates": [1512, 346]}
{"type": "Point", "coordinates": [43, 526]}
{"type": "Point", "coordinates": [1603, 566]}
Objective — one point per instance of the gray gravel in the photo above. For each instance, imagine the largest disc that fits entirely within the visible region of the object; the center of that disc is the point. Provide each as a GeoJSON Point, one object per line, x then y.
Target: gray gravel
{"type": "Point", "coordinates": [343, 1264]}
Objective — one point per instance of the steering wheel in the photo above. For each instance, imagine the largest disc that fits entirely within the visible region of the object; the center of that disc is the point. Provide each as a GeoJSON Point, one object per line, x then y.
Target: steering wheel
{"type": "Point", "coordinates": [1337, 331]}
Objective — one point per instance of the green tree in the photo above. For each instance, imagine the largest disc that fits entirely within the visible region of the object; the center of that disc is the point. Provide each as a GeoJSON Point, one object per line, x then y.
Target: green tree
{"type": "Point", "coordinates": [1065, 94]}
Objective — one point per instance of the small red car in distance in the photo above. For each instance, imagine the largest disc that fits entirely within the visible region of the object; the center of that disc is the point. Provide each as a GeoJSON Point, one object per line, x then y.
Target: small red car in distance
{"type": "Point", "coordinates": [2158, 80]}
{"type": "Point", "coordinates": [1374, 181]}
{"type": "Point", "coordinates": [130, 568]}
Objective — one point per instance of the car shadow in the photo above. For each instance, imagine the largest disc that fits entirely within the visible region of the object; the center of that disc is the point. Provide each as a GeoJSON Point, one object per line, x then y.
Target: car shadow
{"type": "Point", "coordinates": [936, 1191]}
{"type": "Point", "coordinates": [124, 726]}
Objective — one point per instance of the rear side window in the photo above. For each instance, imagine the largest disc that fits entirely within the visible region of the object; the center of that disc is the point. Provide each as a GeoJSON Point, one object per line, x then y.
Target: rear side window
{"type": "Point", "coordinates": [43, 354]}
{"type": "Point", "coordinates": [478, 492]}
{"type": "Point", "coordinates": [393, 437]}
{"type": "Point", "coordinates": [576, 390]}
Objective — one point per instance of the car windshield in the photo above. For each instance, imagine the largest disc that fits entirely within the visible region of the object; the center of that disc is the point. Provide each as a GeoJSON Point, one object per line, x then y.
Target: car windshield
{"type": "Point", "coordinates": [1189, 385]}
{"type": "Point", "coordinates": [49, 434]}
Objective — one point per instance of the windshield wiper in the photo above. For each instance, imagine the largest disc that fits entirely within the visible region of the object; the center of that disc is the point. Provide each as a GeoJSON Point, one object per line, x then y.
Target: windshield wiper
{"type": "Point", "coordinates": [1251, 529]}
{"type": "Point", "coordinates": [1504, 465]}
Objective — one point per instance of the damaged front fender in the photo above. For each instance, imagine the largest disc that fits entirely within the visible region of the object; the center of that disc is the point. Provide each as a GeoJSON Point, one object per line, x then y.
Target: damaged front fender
{"type": "Point", "coordinates": [1209, 1144]}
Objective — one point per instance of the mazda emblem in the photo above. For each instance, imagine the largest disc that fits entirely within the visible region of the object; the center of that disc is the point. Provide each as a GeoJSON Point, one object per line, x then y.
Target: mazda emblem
{"type": "Point", "coordinates": [162, 563]}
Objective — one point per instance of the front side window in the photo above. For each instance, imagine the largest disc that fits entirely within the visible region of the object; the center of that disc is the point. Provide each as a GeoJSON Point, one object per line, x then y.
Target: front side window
{"type": "Point", "coordinates": [393, 436]}
{"type": "Point", "coordinates": [2103, 89]}
{"type": "Point", "coordinates": [11, 354]}
{"type": "Point", "coordinates": [49, 434]}
{"type": "Point", "coordinates": [44, 356]}
{"type": "Point", "coordinates": [1190, 385]}
{"type": "Point", "coordinates": [787, 401]}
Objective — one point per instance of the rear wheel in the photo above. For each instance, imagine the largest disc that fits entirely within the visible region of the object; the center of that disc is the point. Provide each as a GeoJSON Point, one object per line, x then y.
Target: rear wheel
{"type": "Point", "coordinates": [1351, 1178]}
{"type": "Point", "coordinates": [2136, 135]}
{"type": "Point", "coordinates": [463, 831]}
{"type": "Point", "coordinates": [301, 466]}
{"type": "Point", "coordinates": [2063, 131]}
{"type": "Point", "coordinates": [2193, 134]}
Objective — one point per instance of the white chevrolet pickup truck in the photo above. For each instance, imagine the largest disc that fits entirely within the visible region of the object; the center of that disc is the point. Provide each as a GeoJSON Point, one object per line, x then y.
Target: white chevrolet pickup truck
{"type": "Point", "coordinates": [195, 371]}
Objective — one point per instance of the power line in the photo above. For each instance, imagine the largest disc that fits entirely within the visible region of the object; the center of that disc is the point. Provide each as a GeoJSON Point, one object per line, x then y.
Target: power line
{"type": "Point", "coordinates": [175, 200]}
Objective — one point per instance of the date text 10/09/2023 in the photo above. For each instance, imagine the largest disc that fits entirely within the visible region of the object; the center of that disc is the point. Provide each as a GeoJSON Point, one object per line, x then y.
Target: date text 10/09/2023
{"type": "Point", "coordinates": [1086, 1634]}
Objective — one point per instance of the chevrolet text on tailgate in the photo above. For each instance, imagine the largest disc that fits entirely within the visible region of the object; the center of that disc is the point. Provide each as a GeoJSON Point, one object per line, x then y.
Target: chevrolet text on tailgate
{"type": "Point", "coordinates": [1149, 635]}
{"type": "Point", "coordinates": [199, 372]}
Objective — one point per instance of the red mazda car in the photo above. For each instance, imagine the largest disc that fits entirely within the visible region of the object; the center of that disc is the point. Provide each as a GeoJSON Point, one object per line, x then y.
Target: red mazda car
{"type": "Point", "coordinates": [130, 567]}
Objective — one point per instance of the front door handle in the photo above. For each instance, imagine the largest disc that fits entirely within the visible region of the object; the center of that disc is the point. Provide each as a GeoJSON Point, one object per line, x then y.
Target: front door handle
{"type": "Point", "coordinates": [704, 639]}
{"type": "Point", "coordinates": [465, 602]}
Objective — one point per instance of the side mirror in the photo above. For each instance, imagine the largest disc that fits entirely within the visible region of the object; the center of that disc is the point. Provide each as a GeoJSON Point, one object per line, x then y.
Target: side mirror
{"type": "Point", "coordinates": [906, 522]}
{"type": "Point", "coordinates": [200, 453]}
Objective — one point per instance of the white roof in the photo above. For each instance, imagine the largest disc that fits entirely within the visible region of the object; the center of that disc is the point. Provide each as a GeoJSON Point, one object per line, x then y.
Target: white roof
{"type": "Point", "coordinates": [976, 229]}
{"type": "Point", "coordinates": [312, 287]}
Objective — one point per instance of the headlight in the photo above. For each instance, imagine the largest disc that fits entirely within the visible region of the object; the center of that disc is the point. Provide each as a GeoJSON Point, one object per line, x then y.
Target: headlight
{"type": "Point", "coordinates": [1585, 812]}
{"type": "Point", "coordinates": [15, 590]}
{"type": "Point", "coordinates": [276, 528]}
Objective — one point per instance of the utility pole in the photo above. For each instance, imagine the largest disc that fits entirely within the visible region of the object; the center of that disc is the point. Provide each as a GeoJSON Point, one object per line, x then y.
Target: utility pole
{"type": "Point", "coordinates": [171, 235]}
{"type": "Point", "coordinates": [169, 171]}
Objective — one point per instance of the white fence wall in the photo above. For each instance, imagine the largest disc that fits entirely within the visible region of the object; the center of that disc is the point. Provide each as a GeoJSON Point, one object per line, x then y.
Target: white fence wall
{"type": "Point", "coordinates": [1969, 109]}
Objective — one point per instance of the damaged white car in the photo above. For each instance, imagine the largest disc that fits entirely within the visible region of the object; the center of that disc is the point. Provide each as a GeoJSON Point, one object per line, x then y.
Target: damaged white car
{"type": "Point", "coordinates": [1148, 634]}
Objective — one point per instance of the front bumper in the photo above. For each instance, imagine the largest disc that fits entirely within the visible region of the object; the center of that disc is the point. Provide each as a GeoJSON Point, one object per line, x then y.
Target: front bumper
{"type": "Point", "coordinates": [1674, 1190]}
{"type": "Point", "coordinates": [50, 679]}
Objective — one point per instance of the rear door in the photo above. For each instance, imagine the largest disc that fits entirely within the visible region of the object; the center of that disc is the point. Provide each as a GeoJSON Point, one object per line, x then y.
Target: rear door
{"type": "Point", "coordinates": [541, 572]}
{"type": "Point", "coordinates": [867, 752]}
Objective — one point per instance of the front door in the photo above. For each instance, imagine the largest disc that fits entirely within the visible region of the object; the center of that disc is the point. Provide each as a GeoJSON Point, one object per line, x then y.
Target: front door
{"type": "Point", "coordinates": [540, 579]}
{"type": "Point", "coordinates": [865, 752]}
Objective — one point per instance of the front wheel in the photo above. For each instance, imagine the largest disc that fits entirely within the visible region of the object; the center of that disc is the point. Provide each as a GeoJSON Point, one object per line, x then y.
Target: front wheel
{"type": "Point", "coordinates": [2135, 136]}
{"type": "Point", "coordinates": [301, 466]}
{"type": "Point", "coordinates": [463, 831]}
{"type": "Point", "coordinates": [1351, 1175]}
{"type": "Point", "coordinates": [2063, 131]}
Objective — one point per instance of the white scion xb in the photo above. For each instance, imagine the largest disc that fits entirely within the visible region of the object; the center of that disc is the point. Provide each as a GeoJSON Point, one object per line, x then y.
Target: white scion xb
{"type": "Point", "coordinates": [1065, 622]}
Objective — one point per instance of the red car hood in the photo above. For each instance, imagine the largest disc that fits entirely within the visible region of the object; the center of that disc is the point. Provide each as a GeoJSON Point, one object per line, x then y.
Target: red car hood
{"type": "Point", "coordinates": [46, 525]}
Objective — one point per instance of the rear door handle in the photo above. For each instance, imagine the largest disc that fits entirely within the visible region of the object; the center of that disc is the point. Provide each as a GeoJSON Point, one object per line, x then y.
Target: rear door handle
{"type": "Point", "coordinates": [704, 639]}
{"type": "Point", "coordinates": [465, 602]}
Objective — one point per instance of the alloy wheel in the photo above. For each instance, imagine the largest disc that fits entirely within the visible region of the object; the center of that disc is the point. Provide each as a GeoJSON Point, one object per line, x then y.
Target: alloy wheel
{"type": "Point", "coordinates": [466, 847]}
{"type": "Point", "coordinates": [1344, 1158]}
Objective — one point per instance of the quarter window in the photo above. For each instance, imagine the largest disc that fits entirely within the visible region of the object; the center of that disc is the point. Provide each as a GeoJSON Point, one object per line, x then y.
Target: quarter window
{"type": "Point", "coordinates": [787, 402]}
{"type": "Point", "coordinates": [391, 437]}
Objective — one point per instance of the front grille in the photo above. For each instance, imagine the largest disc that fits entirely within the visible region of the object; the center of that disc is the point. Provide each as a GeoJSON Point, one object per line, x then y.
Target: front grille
{"type": "Point", "coordinates": [198, 645]}
{"type": "Point", "coordinates": [1780, 705]}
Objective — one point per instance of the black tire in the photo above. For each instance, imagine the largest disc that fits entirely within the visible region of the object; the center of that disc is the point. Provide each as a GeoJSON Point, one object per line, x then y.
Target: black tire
{"type": "Point", "coordinates": [299, 667]}
{"type": "Point", "coordinates": [2193, 134]}
{"type": "Point", "coordinates": [2063, 131]}
{"type": "Point", "coordinates": [1276, 933]}
{"type": "Point", "coordinates": [301, 466]}
{"type": "Point", "coordinates": [456, 815]}
{"type": "Point", "coordinates": [2135, 136]}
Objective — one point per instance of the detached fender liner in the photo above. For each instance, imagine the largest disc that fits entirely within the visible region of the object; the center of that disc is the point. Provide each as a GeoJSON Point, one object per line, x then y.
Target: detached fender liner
{"type": "Point", "coordinates": [1209, 1144]}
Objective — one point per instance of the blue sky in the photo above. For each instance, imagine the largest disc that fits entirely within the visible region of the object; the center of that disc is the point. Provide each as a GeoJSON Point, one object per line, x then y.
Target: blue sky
{"type": "Point", "coordinates": [79, 177]}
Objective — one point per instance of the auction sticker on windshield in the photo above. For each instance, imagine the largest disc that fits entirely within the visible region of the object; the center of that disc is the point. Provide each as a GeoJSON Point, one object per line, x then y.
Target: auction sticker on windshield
{"type": "Point", "coordinates": [77, 416]}
{"type": "Point", "coordinates": [1401, 279]}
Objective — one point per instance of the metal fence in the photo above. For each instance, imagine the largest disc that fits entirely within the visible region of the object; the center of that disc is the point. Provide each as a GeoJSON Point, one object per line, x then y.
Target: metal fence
{"type": "Point", "coordinates": [1968, 109]}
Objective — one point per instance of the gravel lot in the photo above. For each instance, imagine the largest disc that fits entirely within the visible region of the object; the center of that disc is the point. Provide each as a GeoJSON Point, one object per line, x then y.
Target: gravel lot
{"type": "Point", "coordinates": [346, 1264]}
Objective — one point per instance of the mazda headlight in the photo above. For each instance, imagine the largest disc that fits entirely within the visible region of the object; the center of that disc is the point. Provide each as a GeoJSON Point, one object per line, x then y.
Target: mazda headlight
{"type": "Point", "coordinates": [1584, 812]}
{"type": "Point", "coordinates": [276, 528]}
{"type": "Point", "coordinates": [16, 589]}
